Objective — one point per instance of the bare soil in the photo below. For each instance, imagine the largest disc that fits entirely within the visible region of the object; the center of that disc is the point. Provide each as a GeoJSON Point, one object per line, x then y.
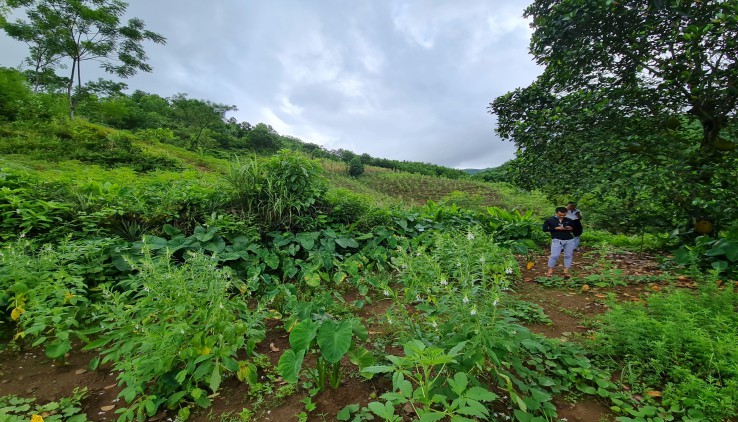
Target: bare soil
{"type": "Point", "coordinates": [28, 373]}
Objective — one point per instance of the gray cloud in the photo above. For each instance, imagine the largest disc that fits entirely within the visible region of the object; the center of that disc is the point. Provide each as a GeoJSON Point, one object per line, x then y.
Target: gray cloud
{"type": "Point", "coordinates": [406, 80]}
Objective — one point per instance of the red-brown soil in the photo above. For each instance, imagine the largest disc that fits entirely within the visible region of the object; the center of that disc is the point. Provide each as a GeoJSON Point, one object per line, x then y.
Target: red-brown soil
{"type": "Point", "coordinates": [31, 374]}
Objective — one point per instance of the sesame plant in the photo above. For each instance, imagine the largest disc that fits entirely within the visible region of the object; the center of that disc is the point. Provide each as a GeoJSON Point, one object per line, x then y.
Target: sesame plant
{"type": "Point", "coordinates": [175, 331]}
{"type": "Point", "coordinates": [451, 290]}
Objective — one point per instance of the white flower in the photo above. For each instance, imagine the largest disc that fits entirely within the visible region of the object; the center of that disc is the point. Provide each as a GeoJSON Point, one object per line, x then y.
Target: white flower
{"type": "Point", "coordinates": [22, 235]}
{"type": "Point", "coordinates": [418, 298]}
{"type": "Point", "coordinates": [495, 302]}
{"type": "Point", "coordinates": [444, 282]}
{"type": "Point", "coordinates": [146, 288]}
{"type": "Point", "coordinates": [473, 311]}
{"type": "Point", "coordinates": [470, 236]}
{"type": "Point", "coordinates": [465, 300]}
{"type": "Point", "coordinates": [509, 271]}
{"type": "Point", "coordinates": [482, 260]}
{"type": "Point", "coordinates": [434, 324]}
{"type": "Point", "coordinates": [386, 292]}
{"type": "Point", "coordinates": [389, 321]}
{"type": "Point", "coordinates": [181, 331]}
{"type": "Point", "coordinates": [417, 253]}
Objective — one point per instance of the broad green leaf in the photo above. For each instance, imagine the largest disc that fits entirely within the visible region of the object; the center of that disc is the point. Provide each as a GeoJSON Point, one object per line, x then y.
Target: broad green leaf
{"type": "Point", "coordinates": [302, 335]}
{"type": "Point", "coordinates": [345, 413]}
{"type": "Point", "coordinates": [215, 378]}
{"type": "Point", "coordinates": [346, 242]}
{"type": "Point", "coordinates": [312, 279]}
{"type": "Point", "coordinates": [481, 394]}
{"type": "Point", "coordinates": [334, 339]}
{"type": "Point", "coordinates": [58, 349]}
{"type": "Point", "coordinates": [362, 358]}
{"type": "Point", "coordinates": [289, 365]}
{"type": "Point", "coordinates": [359, 329]}
{"type": "Point", "coordinates": [385, 411]}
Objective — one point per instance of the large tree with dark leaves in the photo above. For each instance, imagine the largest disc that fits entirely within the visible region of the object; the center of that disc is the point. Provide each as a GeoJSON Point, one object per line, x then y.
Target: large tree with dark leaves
{"type": "Point", "coordinates": [66, 33]}
{"type": "Point", "coordinates": [626, 83]}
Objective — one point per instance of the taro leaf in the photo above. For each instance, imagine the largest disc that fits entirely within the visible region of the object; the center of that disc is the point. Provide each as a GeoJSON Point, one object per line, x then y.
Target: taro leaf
{"type": "Point", "coordinates": [155, 242]}
{"type": "Point", "coordinates": [289, 365]}
{"type": "Point", "coordinates": [215, 245]}
{"type": "Point", "coordinates": [302, 335]}
{"type": "Point", "coordinates": [731, 251]}
{"type": "Point", "coordinates": [683, 256]}
{"type": "Point", "coordinates": [272, 260]}
{"type": "Point", "coordinates": [359, 329]}
{"type": "Point", "coordinates": [312, 279]}
{"type": "Point", "coordinates": [170, 230]}
{"type": "Point", "coordinates": [720, 265]}
{"type": "Point", "coordinates": [346, 242]}
{"type": "Point", "coordinates": [334, 339]}
{"type": "Point", "coordinates": [203, 235]}
{"type": "Point", "coordinates": [362, 358]}
{"type": "Point", "coordinates": [307, 240]}
{"type": "Point", "coordinates": [58, 349]}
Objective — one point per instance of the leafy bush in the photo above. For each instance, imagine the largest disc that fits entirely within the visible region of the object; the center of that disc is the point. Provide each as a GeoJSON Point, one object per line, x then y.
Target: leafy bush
{"type": "Point", "coordinates": [355, 167]}
{"type": "Point", "coordinates": [47, 290]}
{"type": "Point", "coordinates": [719, 254]}
{"type": "Point", "coordinates": [173, 331]}
{"type": "Point", "coordinates": [687, 348]}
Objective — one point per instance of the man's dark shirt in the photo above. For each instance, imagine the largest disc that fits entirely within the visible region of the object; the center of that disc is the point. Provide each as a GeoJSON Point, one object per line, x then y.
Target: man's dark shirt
{"type": "Point", "coordinates": [550, 226]}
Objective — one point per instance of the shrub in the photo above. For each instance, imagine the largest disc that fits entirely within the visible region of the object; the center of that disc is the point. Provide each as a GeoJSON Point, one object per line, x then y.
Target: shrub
{"type": "Point", "coordinates": [355, 167]}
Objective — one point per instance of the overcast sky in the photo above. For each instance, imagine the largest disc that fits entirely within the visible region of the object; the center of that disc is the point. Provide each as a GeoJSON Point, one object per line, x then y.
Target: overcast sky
{"type": "Point", "coordinates": [399, 79]}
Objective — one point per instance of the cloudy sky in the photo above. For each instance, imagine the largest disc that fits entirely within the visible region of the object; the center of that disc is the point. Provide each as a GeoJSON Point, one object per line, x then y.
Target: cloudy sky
{"type": "Point", "coordinates": [399, 79]}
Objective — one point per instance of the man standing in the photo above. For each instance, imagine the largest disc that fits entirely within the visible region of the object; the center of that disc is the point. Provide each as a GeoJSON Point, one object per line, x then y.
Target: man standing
{"type": "Point", "coordinates": [572, 213]}
{"type": "Point", "coordinates": [562, 238]}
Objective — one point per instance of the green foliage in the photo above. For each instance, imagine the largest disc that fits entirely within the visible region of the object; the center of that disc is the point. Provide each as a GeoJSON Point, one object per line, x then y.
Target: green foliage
{"type": "Point", "coordinates": [330, 340]}
{"type": "Point", "coordinates": [280, 192]}
{"type": "Point", "coordinates": [423, 380]}
{"type": "Point", "coordinates": [13, 93]}
{"type": "Point", "coordinates": [47, 290]}
{"type": "Point", "coordinates": [719, 254]}
{"type": "Point", "coordinates": [453, 287]}
{"type": "Point", "coordinates": [58, 31]}
{"type": "Point", "coordinates": [514, 228]}
{"type": "Point", "coordinates": [66, 409]}
{"type": "Point", "coordinates": [687, 348]}
{"type": "Point", "coordinates": [173, 331]}
{"type": "Point", "coordinates": [25, 212]}
{"type": "Point", "coordinates": [355, 167]}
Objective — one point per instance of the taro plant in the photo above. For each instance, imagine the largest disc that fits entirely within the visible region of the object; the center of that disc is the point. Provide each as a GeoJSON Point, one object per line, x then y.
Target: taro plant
{"type": "Point", "coordinates": [330, 340]}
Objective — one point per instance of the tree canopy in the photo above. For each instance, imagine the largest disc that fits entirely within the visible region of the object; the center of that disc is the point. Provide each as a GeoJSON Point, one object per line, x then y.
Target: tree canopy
{"type": "Point", "coordinates": [65, 33]}
{"type": "Point", "coordinates": [635, 104]}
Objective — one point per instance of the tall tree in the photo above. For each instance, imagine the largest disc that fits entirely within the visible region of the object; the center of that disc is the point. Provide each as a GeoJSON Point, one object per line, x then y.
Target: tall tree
{"type": "Point", "coordinates": [623, 82]}
{"type": "Point", "coordinates": [66, 33]}
{"type": "Point", "coordinates": [197, 115]}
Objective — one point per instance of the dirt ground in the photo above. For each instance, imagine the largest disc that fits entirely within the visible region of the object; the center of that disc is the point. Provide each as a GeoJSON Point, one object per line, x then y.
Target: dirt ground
{"type": "Point", "coordinates": [30, 374]}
